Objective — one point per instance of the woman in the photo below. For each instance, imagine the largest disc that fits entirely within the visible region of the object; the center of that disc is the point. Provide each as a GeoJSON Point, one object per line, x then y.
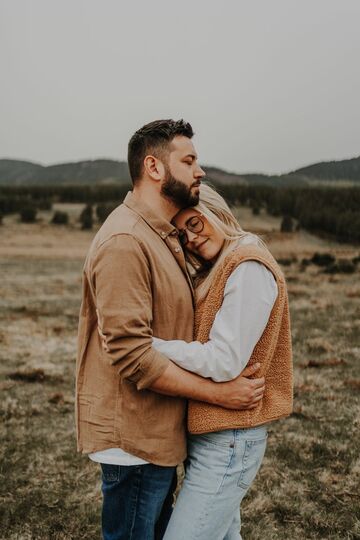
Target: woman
{"type": "Point", "coordinates": [241, 317]}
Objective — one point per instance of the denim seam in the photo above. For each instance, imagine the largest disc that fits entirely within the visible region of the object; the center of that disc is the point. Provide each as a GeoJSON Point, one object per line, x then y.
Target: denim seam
{"type": "Point", "coordinates": [135, 499]}
{"type": "Point", "coordinates": [227, 469]}
{"type": "Point", "coordinates": [248, 447]}
{"type": "Point", "coordinates": [243, 464]}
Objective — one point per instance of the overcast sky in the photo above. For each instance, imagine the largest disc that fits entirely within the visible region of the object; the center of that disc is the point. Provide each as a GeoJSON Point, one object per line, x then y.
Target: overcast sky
{"type": "Point", "coordinates": [268, 85]}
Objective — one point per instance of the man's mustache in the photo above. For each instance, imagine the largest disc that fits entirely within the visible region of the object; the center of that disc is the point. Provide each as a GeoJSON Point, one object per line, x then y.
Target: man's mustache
{"type": "Point", "coordinates": [196, 184]}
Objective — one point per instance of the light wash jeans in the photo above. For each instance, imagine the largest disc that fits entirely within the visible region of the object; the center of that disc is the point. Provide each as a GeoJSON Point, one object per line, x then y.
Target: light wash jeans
{"type": "Point", "coordinates": [221, 468]}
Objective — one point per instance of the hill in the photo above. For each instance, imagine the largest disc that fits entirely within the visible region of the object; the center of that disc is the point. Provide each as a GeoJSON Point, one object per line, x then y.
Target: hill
{"type": "Point", "coordinates": [347, 169]}
{"type": "Point", "coordinates": [107, 171]}
{"type": "Point", "coordinates": [98, 171]}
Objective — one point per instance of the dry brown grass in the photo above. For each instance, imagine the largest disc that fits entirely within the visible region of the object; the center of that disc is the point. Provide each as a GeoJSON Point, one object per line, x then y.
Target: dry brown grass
{"type": "Point", "coordinates": [308, 486]}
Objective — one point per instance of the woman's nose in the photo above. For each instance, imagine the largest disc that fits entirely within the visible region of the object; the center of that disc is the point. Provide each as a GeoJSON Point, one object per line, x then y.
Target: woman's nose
{"type": "Point", "coordinates": [191, 235]}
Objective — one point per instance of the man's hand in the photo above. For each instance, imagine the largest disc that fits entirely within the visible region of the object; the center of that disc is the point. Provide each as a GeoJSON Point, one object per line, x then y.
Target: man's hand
{"type": "Point", "coordinates": [241, 393]}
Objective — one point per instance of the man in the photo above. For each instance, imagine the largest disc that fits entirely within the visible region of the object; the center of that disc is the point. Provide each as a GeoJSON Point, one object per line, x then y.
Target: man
{"type": "Point", "coordinates": [130, 398]}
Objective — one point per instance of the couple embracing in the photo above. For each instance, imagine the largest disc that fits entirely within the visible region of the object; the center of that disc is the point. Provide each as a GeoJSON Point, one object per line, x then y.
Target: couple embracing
{"type": "Point", "coordinates": [184, 350]}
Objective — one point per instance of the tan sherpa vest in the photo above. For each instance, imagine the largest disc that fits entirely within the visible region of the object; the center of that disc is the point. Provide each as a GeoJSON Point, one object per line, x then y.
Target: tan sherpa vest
{"type": "Point", "coordinates": [273, 351]}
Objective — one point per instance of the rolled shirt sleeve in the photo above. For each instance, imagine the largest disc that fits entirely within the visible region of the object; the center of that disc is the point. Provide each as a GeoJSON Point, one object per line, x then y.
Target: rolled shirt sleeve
{"type": "Point", "coordinates": [122, 283]}
{"type": "Point", "coordinates": [249, 297]}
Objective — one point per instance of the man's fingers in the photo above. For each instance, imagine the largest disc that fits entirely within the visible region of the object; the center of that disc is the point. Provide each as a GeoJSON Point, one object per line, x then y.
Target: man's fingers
{"type": "Point", "coordinates": [254, 400]}
{"type": "Point", "coordinates": [258, 383]}
{"type": "Point", "coordinates": [259, 391]}
{"type": "Point", "coordinates": [258, 394]}
{"type": "Point", "coordinates": [250, 370]}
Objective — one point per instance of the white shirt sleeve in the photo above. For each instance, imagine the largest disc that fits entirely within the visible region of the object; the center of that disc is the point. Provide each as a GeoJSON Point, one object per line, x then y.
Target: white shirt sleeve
{"type": "Point", "coordinates": [249, 296]}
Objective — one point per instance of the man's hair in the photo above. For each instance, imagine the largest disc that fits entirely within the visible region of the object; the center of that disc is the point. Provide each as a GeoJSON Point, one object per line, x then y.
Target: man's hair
{"type": "Point", "coordinates": [155, 139]}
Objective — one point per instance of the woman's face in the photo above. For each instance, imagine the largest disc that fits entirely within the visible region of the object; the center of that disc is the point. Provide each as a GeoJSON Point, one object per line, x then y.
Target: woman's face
{"type": "Point", "coordinates": [207, 243]}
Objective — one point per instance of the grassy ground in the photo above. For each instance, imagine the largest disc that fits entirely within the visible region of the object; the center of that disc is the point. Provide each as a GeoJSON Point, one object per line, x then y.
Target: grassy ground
{"type": "Point", "coordinates": [308, 486]}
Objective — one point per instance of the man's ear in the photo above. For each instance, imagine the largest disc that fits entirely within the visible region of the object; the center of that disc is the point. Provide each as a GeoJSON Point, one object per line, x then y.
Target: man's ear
{"type": "Point", "coordinates": [154, 168]}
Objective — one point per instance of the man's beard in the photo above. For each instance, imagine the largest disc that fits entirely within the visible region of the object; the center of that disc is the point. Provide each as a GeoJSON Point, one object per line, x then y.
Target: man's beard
{"type": "Point", "coordinates": [179, 193]}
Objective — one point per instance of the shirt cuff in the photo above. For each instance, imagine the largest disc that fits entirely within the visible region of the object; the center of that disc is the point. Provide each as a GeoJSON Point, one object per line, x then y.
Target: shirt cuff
{"type": "Point", "coordinates": [150, 369]}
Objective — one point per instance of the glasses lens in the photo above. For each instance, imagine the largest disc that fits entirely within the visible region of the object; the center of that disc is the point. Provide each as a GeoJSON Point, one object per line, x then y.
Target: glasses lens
{"type": "Point", "coordinates": [195, 224]}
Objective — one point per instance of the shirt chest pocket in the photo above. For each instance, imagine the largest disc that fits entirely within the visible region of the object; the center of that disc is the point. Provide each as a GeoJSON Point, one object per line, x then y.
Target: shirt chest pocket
{"type": "Point", "coordinates": [172, 298]}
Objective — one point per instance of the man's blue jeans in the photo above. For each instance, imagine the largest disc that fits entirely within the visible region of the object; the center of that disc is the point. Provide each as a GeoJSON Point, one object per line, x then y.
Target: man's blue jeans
{"type": "Point", "coordinates": [137, 501]}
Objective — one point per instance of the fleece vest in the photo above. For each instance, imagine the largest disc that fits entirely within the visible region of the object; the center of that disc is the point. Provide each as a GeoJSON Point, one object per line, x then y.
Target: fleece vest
{"type": "Point", "coordinates": [273, 351]}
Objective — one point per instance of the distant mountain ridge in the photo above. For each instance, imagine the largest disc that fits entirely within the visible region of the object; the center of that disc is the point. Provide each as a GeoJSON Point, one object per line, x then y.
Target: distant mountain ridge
{"type": "Point", "coordinates": [98, 171]}
{"type": "Point", "coordinates": [346, 169]}
{"type": "Point", "coordinates": [106, 171]}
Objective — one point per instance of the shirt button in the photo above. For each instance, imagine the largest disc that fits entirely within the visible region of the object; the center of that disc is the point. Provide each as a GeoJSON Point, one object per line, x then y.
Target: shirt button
{"type": "Point", "coordinates": [163, 234]}
{"type": "Point", "coordinates": [177, 249]}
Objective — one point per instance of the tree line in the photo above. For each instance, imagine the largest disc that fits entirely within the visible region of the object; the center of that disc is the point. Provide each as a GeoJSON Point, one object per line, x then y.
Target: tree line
{"type": "Point", "coordinates": [331, 211]}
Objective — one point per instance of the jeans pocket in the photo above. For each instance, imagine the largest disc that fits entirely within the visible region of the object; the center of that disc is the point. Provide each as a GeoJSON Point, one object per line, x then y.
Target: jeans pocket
{"type": "Point", "coordinates": [110, 473]}
{"type": "Point", "coordinates": [251, 461]}
{"type": "Point", "coordinates": [208, 465]}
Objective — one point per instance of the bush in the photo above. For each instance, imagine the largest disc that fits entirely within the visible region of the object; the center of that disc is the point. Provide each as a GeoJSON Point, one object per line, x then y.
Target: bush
{"type": "Point", "coordinates": [60, 218]}
{"type": "Point", "coordinates": [86, 217]}
{"type": "Point", "coordinates": [345, 266]}
{"type": "Point", "coordinates": [103, 210]}
{"type": "Point", "coordinates": [287, 261]}
{"type": "Point", "coordinates": [28, 214]}
{"type": "Point", "coordinates": [342, 266]}
{"type": "Point", "coordinates": [322, 259]}
{"type": "Point", "coordinates": [287, 224]}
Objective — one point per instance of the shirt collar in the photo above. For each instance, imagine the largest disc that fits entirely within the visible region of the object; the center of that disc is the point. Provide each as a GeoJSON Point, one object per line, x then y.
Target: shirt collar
{"type": "Point", "coordinates": [160, 225]}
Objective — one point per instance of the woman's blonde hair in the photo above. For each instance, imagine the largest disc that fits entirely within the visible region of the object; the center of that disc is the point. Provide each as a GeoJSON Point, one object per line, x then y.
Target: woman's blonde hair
{"type": "Point", "coordinates": [217, 212]}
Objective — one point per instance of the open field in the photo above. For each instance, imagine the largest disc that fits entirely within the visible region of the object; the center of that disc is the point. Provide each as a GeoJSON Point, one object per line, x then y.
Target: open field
{"type": "Point", "coordinates": [308, 486]}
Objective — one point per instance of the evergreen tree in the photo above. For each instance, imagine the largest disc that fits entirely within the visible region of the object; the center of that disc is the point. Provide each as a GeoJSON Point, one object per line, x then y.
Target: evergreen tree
{"type": "Point", "coordinates": [86, 217]}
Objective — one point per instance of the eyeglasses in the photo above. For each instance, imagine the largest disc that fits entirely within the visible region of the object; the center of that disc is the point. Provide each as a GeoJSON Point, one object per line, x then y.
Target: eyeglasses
{"type": "Point", "coordinates": [194, 224]}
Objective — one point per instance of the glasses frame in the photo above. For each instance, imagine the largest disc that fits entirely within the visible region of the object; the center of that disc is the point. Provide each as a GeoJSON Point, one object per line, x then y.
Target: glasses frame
{"type": "Point", "coordinates": [182, 234]}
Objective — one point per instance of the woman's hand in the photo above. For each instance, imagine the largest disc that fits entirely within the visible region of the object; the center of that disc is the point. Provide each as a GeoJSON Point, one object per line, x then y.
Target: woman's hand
{"type": "Point", "coordinates": [241, 393]}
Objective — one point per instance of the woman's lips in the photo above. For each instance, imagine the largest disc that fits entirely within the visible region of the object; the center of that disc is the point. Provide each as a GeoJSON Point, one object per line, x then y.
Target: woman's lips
{"type": "Point", "coordinates": [202, 243]}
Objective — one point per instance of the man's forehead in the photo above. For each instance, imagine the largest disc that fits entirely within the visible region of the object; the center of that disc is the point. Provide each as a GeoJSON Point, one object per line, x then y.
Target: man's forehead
{"type": "Point", "coordinates": [183, 145]}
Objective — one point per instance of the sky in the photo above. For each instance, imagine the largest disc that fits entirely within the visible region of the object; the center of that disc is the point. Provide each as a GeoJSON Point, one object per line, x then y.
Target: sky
{"type": "Point", "coordinates": [268, 86]}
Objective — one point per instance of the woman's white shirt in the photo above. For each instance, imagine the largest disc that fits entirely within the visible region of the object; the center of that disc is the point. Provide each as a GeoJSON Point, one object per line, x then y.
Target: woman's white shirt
{"type": "Point", "coordinates": [249, 297]}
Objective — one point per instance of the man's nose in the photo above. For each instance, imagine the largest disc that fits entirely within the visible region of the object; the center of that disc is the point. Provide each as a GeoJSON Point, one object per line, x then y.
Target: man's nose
{"type": "Point", "coordinates": [200, 173]}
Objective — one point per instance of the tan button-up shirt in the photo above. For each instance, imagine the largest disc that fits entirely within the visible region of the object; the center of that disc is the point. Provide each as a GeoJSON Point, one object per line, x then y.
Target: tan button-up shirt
{"type": "Point", "coordinates": [135, 285]}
